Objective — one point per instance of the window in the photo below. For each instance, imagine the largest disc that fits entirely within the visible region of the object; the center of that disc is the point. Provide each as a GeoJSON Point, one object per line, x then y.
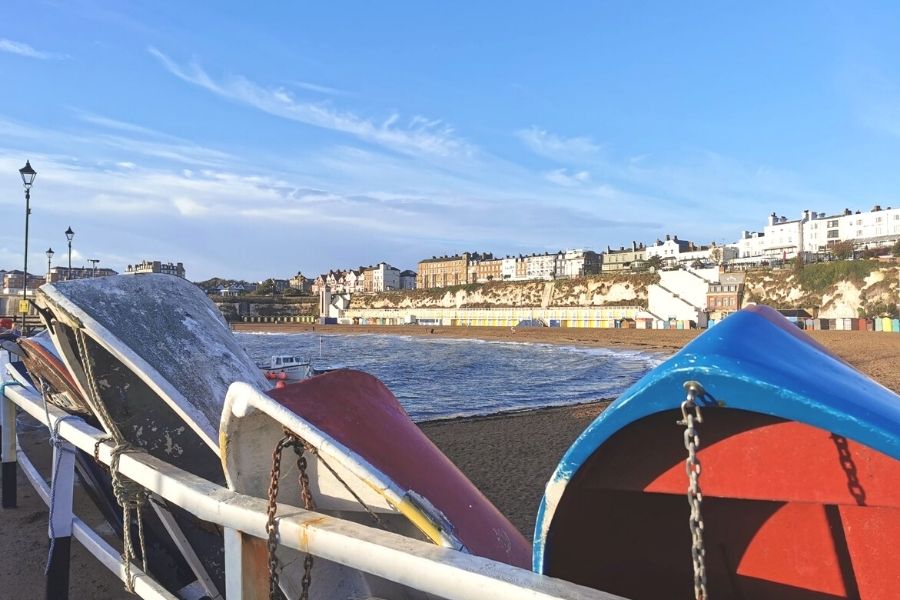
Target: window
{"type": "Point", "coordinates": [832, 234]}
{"type": "Point", "coordinates": [833, 223]}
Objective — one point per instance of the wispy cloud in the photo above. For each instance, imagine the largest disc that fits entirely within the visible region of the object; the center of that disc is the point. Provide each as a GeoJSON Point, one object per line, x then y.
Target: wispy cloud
{"type": "Point", "coordinates": [123, 137]}
{"type": "Point", "coordinates": [416, 135]}
{"type": "Point", "coordinates": [564, 178]}
{"type": "Point", "coordinates": [558, 148]}
{"type": "Point", "coordinates": [27, 51]}
{"type": "Point", "coordinates": [319, 89]}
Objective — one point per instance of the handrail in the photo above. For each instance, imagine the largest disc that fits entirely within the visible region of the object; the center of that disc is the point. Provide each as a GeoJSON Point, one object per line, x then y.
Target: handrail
{"type": "Point", "coordinates": [440, 571]}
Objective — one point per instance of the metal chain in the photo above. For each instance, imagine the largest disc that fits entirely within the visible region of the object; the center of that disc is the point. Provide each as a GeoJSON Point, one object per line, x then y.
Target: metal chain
{"type": "Point", "coordinates": [289, 440]}
{"type": "Point", "coordinates": [308, 504]}
{"type": "Point", "coordinates": [854, 486]}
{"type": "Point", "coordinates": [695, 497]}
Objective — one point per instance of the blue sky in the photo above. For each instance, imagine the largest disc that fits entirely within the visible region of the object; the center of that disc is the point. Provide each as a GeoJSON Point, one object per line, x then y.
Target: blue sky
{"type": "Point", "coordinates": [252, 142]}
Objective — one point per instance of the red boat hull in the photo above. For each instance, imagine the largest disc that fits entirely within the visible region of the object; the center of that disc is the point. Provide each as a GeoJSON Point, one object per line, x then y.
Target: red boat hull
{"type": "Point", "coordinates": [359, 412]}
{"type": "Point", "coordinates": [790, 512]}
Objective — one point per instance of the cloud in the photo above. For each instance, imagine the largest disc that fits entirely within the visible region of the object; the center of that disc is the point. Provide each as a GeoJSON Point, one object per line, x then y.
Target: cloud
{"type": "Point", "coordinates": [188, 207]}
{"type": "Point", "coordinates": [416, 136]}
{"type": "Point", "coordinates": [27, 51]}
{"type": "Point", "coordinates": [319, 89]}
{"type": "Point", "coordinates": [117, 125]}
{"type": "Point", "coordinates": [136, 140]}
{"type": "Point", "coordinates": [563, 178]}
{"type": "Point", "coordinates": [558, 148]}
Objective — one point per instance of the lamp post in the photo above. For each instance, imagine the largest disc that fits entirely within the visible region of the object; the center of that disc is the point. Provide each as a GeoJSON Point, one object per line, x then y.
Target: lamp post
{"type": "Point", "coordinates": [94, 262]}
{"type": "Point", "coordinates": [49, 254]}
{"type": "Point", "coordinates": [69, 235]}
{"type": "Point", "coordinates": [28, 174]}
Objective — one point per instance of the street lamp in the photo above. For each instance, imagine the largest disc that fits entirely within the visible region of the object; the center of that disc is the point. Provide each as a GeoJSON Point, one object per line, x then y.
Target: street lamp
{"type": "Point", "coordinates": [28, 174]}
{"type": "Point", "coordinates": [94, 262]}
{"type": "Point", "coordinates": [49, 254]}
{"type": "Point", "coordinates": [69, 235]}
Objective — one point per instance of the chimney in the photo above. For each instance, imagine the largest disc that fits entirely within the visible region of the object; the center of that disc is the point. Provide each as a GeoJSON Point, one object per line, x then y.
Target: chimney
{"type": "Point", "coordinates": [847, 212]}
{"type": "Point", "coordinates": [772, 219]}
{"type": "Point", "coordinates": [668, 237]}
{"type": "Point", "coordinates": [806, 215]}
{"type": "Point", "coordinates": [876, 208]}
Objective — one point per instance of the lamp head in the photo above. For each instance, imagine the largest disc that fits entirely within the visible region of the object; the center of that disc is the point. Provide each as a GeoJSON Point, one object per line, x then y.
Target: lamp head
{"type": "Point", "coordinates": [28, 174]}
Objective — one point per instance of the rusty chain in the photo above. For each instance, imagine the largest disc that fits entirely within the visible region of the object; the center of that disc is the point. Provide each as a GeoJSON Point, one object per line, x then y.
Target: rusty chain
{"type": "Point", "coordinates": [288, 441]}
{"type": "Point", "coordinates": [695, 497]}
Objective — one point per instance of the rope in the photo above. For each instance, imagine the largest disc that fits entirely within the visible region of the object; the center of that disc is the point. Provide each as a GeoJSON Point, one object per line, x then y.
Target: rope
{"type": "Point", "coordinates": [130, 495]}
{"type": "Point", "coordinates": [59, 446]}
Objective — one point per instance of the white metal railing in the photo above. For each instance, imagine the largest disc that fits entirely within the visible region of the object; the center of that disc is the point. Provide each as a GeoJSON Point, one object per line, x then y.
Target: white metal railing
{"type": "Point", "coordinates": [439, 571]}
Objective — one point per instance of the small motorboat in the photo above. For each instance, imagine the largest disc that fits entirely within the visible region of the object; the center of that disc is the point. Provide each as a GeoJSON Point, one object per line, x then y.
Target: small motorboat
{"type": "Point", "coordinates": [287, 368]}
{"type": "Point", "coordinates": [797, 498]}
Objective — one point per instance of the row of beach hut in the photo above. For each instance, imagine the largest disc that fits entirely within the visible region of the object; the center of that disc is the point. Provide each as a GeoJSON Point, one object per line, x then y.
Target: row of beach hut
{"type": "Point", "coordinates": [885, 324]}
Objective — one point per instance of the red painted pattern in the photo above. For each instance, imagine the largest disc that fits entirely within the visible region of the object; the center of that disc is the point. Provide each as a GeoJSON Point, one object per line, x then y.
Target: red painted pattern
{"type": "Point", "coordinates": [790, 512]}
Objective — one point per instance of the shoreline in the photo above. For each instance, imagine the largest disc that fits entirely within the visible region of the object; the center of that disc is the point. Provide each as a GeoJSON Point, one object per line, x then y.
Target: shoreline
{"type": "Point", "coordinates": [517, 412]}
{"type": "Point", "coordinates": [874, 353]}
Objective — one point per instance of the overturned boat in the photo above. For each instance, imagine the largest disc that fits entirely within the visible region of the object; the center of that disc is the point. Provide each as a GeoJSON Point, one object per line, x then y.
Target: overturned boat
{"type": "Point", "coordinates": [149, 359]}
{"type": "Point", "coordinates": [797, 498]}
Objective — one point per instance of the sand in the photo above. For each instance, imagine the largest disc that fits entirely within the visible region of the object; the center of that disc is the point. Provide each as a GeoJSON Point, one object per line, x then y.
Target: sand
{"type": "Point", "coordinates": [508, 457]}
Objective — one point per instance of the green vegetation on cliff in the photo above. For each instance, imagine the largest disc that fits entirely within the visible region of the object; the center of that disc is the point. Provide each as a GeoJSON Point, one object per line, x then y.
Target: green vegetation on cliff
{"type": "Point", "coordinates": [819, 277]}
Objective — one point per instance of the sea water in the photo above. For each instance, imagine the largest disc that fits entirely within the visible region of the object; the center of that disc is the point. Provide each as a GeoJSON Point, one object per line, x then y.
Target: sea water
{"type": "Point", "coordinates": [435, 377]}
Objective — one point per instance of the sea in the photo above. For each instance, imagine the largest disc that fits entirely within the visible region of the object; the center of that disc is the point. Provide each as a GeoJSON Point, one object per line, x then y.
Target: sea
{"type": "Point", "coordinates": [437, 378]}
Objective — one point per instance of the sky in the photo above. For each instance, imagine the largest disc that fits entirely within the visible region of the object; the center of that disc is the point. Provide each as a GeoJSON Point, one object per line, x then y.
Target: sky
{"type": "Point", "coordinates": [254, 141]}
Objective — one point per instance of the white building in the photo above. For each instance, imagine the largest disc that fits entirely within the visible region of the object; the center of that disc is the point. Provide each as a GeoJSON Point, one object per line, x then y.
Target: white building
{"type": "Point", "coordinates": [156, 266]}
{"type": "Point", "coordinates": [751, 245]}
{"type": "Point", "coordinates": [783, 237]}
{"type": "Point", "coordinates": [385, 278]}
{"type": "Point", "coordinates": [816, 232]}
{"type": "Point", "coordinates": [508, 268]}
{"type": "Point", "coordinates": [668, 250]}
{"type": "Point", "coordinates": [577, 263]}
{"type": "Point", "coordinates": [541, 266]}
{"type": "Point", "coordinates": [877, 228]}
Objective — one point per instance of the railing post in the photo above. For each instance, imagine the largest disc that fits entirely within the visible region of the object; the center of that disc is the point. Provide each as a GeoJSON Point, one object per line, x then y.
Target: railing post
{"type": "Point", "coordinates": [60, 529]}
{"type": "Point", "coordinates": [8, 451]}
{"type": "Point", "coordinates": [242, 550]}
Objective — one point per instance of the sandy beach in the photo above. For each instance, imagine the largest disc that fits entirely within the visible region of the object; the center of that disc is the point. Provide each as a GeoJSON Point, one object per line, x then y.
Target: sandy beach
{"type": "Point", "coordinates": [509, 457]}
